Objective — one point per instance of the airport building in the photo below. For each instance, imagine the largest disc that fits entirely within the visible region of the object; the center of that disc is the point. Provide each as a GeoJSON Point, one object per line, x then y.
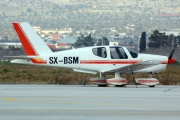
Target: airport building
{"type": "Point", "coordinates": [175, 32]}
{"type": "Point", "coordinates": [6, 45]}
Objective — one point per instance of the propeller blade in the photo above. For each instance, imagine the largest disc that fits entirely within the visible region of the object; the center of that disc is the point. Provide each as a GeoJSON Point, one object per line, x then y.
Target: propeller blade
{"type": "Point", "coordinates": [171, 54]}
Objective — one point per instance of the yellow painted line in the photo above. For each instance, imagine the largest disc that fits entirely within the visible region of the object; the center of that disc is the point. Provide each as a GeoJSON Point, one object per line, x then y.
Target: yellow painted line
{"type": "Point", "coordinates": [9, 99]}
{"type": "Point", "coordinates": [87, 103]}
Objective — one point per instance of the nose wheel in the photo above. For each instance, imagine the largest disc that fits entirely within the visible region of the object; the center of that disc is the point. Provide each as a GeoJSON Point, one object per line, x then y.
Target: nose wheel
{"type": "Point", "coordinates": [151, 86]}
{"type": "Point", "coordinates": [150, 76]}
{"type": "Point", "coordinates": [103, 85]}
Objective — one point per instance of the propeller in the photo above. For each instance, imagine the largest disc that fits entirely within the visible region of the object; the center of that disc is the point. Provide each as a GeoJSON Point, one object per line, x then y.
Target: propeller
{"type": "Point", "coordinates": [171, 54]}
{"type": "Point", "coordinates": [170, 59]}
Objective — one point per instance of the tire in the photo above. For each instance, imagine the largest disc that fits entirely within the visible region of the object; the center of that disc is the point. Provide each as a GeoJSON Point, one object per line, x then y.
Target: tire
{"type": "Point", "coordinates": [152, 86]}
{"type": "Point", "coordinates": [102, 85]}
{"type": "Point", "coordinates": [119, 85]}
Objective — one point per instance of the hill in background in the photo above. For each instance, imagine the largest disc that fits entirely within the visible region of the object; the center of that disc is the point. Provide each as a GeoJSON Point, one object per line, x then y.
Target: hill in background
{"type": "Point", "coordinates": [100, 15]}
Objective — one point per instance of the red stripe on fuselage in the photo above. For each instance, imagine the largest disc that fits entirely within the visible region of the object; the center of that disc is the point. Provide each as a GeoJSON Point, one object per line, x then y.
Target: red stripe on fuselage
{"type": "Point", "coordinates": [164, 62]}
{"type": "Point", "coordinates": [109, 61]}
{"type": "Point", "coordinates": [29, 49]}
{"type": "Point", "coordinates": [114, 62]}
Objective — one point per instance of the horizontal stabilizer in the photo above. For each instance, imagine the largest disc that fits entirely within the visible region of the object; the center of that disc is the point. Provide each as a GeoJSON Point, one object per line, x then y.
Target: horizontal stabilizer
{"type": "Point", "coordinates": [22, 61]}
{"type": "Point", "coordinates": [17, 57]}
{"type": "Point", "coordinates": [33, 59]}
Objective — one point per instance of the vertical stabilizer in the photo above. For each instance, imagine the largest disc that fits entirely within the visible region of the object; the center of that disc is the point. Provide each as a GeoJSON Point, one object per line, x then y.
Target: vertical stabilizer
{"type": "Point", "coordinates": [32, 43]}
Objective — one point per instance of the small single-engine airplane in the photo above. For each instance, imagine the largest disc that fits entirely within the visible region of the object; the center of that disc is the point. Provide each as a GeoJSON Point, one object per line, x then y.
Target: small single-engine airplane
{"type": "Point", "coordinates": [105, 60]}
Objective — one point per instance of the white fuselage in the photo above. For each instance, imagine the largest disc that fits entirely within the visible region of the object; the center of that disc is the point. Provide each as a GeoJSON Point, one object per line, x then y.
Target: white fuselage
{"type": "Point", "coordinates": [84, 60]}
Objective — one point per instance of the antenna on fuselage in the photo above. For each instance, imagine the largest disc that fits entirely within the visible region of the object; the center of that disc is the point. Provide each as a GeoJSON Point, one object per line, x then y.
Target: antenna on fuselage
{"type": "Point", "coordinates": [71, 46]}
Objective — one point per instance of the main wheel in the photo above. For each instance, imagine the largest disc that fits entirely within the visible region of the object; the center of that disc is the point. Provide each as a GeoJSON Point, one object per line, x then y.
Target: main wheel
{"type": "Point", "coordinates": [152, 86]}
{"type": "Point", "coordinates": [118, 85]}
{"type": "Point", "coordinates": [103, 85]}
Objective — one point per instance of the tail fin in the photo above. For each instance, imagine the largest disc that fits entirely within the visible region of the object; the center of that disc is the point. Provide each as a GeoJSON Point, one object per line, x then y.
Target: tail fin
{"type": "Point", "coordinates": [31, 41]}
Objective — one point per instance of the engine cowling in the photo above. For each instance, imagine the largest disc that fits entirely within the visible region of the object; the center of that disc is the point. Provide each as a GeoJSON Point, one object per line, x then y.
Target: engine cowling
{"type": "Point", "coordinates": [117, 81]}
{"type": "Point", "coordinates": [99, 81]}
{"type": "Point", "coordinates": [147, 81]}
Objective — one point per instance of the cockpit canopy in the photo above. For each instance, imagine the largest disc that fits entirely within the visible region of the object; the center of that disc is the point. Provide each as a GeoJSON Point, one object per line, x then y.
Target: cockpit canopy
{"type": "Point", "coordinates": [100, 51]}
{"type": "Point", "coordinates": [133, 53]}
{"type": "Point", "coordinates": [116, 52]}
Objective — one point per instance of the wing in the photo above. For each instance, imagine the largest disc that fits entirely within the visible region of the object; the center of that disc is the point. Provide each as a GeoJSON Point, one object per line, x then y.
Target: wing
{"type": "Point", "coordinates": [137, 66]}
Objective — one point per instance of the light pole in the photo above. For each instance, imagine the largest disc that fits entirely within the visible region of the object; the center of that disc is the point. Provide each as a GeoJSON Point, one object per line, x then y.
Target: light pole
{"type": "Point", "coordinates": [102, 39]}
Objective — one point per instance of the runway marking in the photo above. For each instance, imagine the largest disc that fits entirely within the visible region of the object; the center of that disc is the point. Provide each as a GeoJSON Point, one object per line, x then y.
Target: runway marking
{"type": "Point", "coordinates": [9, 99]}
{"type": "Point", "coordinates": [92, 112]}
{"type": "Point", "coordinates": [170, 89]}
{"type": "Point", "coordinates": [87, 103]}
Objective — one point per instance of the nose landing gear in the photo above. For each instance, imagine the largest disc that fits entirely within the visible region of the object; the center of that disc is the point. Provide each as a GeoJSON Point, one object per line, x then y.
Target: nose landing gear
{"type": "Point", "coordinates": [151, 82]}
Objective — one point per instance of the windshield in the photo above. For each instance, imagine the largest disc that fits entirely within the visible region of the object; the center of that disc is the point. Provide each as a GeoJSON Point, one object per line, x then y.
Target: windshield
{"type": "Point", "coordinates": [118, 53]}
{"type": "Point", "coordinates": [133, 53]}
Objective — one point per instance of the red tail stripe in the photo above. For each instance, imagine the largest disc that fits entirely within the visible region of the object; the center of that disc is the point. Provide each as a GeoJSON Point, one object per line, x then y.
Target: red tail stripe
{"type": "Point", "coordinates": [29, 49]}
{"type": "Point", "coordinates": [38, 61]}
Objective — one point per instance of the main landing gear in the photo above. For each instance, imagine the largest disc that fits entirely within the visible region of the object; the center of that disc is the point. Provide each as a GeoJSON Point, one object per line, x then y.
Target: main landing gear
{"type": "Point", "coordinates": [102, 81]}
{"type": "Point", "coordinates": [118, 81]}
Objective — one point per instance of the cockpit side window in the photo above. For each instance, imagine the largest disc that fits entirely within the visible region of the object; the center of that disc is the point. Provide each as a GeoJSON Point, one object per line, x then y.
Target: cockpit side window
{"type": "Point", "coordinates": [100, 51]}
{"type": "Point", "coordinates": [118, 53]}
{"type": "Point", "coordinates": [133, 53]}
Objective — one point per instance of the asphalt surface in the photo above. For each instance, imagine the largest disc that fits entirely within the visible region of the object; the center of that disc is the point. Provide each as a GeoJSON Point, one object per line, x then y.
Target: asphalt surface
{"type": "Point", "coordinates": [72, 102]}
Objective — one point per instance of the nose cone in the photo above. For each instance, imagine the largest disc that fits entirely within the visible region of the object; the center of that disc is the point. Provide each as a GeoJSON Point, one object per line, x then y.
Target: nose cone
{"type": "Point", "coordinates": [172, 60]}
